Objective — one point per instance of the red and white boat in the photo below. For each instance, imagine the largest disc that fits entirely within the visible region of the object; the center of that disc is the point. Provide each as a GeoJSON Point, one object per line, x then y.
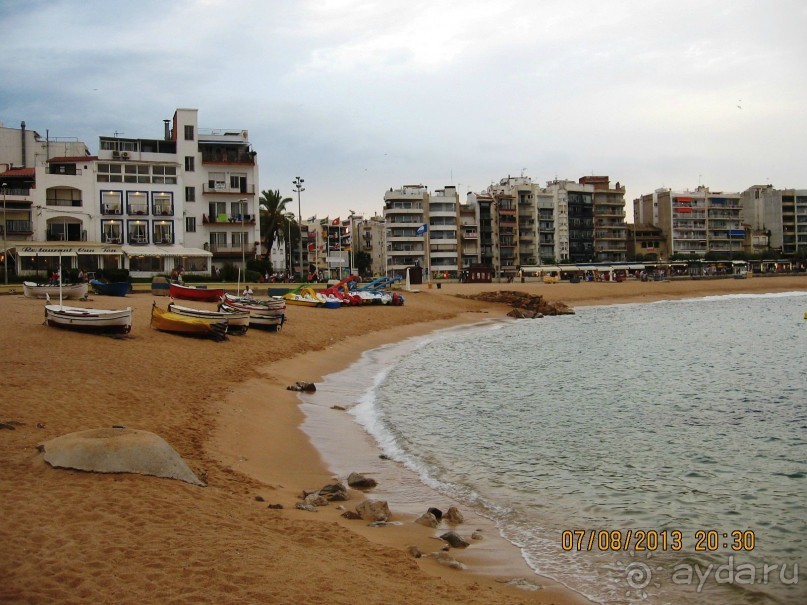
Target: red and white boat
{"type": "Point", "coordinates": [195, 292]}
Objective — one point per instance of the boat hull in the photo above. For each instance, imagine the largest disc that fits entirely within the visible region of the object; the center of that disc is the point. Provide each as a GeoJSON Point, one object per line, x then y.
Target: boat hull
{"type": "Point", "coordinates": [237, 321]}
{"type": "Point", "coordinates": [167, 321]}
{"type": "Point", "coordinates": [258, 317]}
{"type": "Point", "coordinates": [69, 291]}
{"type": "Point", "coordinates": [194, 293]}
{"type": "Point", "coordinates": [119, 288]}
{"type": "Point", "coordinates": [89, 320]}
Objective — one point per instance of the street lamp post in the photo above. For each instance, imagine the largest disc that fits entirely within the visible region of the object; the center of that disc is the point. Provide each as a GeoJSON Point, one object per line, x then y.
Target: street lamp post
{"type": "Point", "coordinates": [5, 226]}
{"type": "Point", "coordinates": [298, 187]}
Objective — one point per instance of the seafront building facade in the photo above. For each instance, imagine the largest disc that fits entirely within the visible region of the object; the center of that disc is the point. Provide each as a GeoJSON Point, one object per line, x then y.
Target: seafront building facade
{"type": "Point", "coordinates": [186, 199]}
{"type": "Point", "coordinates": [694, 222]}
{"type": "Point", "coordinates": [781, 214]}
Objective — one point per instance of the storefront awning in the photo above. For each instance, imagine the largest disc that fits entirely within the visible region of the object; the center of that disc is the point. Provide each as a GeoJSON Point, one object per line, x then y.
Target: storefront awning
{"type": "Point", "coordinates": [45, 250]}
{"type": "Point", "coordinates": [164, 251]}
{"type": "Point", "coordinates": [66, 249]}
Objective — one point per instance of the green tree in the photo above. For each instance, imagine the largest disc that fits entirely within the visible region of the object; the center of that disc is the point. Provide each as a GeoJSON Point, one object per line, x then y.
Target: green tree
{"type": "Point", "coordinates": [274, 219]}
{"type": "Point", "coordinates": [364, 263]}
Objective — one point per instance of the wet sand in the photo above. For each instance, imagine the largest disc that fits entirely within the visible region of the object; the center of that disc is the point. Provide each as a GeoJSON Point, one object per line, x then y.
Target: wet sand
{"type": "Point", "coordinates": [71, 537]}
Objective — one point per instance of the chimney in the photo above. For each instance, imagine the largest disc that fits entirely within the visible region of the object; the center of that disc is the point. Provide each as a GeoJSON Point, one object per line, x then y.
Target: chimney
{"type": "Point", "coordinates": [22, 137]}
{"type": "Point", "coordinates": [167, 130]}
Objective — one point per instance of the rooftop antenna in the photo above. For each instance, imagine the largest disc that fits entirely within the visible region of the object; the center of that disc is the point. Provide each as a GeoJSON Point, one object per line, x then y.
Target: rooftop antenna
{"type": "Point", "coordinates": [118, 133]}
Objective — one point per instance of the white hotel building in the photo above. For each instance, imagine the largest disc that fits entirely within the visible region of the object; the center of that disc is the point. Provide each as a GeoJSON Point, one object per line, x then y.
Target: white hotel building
{"type": "Point", "coordinates": [187, 198]}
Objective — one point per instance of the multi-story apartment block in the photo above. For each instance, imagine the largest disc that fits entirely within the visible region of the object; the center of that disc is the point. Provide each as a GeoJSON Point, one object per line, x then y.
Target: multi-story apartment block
{"type": "Point", "coordinates": [148, 204]}
{"type": "Point", "coordinates": [523, 224]}
{"type": "Point", "coordinates": [695, 222]}
{"type": "Point", "coordinates": [780, 212]}
{"type": "Point", "coordinates": [369, 236]}
{"type": "Point", "coordinates": [469, 248]}
{"type": "Point", "coordinates": [609, 219]}
{"type": "Point", "coordinates": [442, 214]}
{"type": "Point", "coordinates": [404, 214]}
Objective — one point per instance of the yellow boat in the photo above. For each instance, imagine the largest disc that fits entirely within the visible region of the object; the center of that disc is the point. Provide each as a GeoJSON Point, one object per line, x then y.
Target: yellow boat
{"type": "Point", "coordinates": [167, 321]}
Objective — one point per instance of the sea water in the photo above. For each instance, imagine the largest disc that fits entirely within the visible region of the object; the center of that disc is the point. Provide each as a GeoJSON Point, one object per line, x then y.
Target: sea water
{"type": "Point", "coordinates": [637, 453]}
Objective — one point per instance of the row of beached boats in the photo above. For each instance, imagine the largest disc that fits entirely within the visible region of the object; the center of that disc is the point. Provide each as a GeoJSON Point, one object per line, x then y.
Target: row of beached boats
{"type": "Point", "coordinates": [234, 314]}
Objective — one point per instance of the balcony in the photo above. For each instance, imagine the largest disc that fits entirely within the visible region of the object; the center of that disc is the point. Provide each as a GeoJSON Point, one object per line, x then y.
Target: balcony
{"type": "Point", "coordinates": [230, 250]}
{"type": "Point", "coordinates": [221, 155]}
{"type": "Point", "coordinates": [163, 209]}
{"type": "Point", "coordinates": [139, 209]}
{"type": "Point", "coordinates": [111, 239]}
{"type": "Point", "coordinates": [16, 227]}
{"type": "Point", "coordinates": [222, 189]}
{"type": "Point", "coordinates": [137, 239]}
{"type": "Point", "coordinates": [161, 238]}
{"type": "Point", "coordinates": [224, 219]}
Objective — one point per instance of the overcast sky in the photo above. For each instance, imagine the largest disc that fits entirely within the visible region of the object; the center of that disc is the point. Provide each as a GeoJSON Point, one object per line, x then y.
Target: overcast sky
{"type": "Point", "coordinates": [358, 96]}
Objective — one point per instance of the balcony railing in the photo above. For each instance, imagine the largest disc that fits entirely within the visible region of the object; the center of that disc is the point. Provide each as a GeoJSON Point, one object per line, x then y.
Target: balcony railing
{"type": "Point", "coordinates": [248, 189]}
{"type": "Point", "coordinates": [225, 218]}
{"type": "Point", "coordinates": [163, 239]}
{"type": "Point", "coordinates": [19, 227]}
{"type": "Point", "coordinates": [163, 209]}
{"type": "Point", "coordinates": [137, 209]}
{"type": "Point", "coordinates": [113, 209]}
{"type": "Point", "coordinates": [138, 239]}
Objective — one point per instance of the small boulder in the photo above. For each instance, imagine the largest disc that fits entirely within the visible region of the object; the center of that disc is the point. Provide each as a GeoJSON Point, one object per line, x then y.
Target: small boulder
{"type": "Point", "coordinates": [334, 492]}
{"type": "Point", "coordinates": [374, 510]}
{"type": "Point", "coordinates": [304, 506]}
{"type": "Point", "coordinates": [358, 480]}
{"type": "Point", "coordinates": [454, 516]}
{"type": "Point", "coordinates": [349, 514]}
{"type": "Point", "coordinates": [438, 514]}
{"type": "Point", "coordinates": [427, 519]}
{"type": "Point", "coordinates": [454, 540]}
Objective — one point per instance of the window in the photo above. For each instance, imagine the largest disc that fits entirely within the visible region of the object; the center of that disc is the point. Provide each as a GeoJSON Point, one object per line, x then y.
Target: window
{"type": "Point", "coordinates": [188, 133]}
{"type": "Point", "coordinates": [239, 210]}
{"type": "Point", "coordinates": [190, 194]}
{"type": "Point", "coordinates": [190, 224]}
{"type": "Point", "coordinates": [137, 202]}
{"type": "Point", "coordinates": [112, 232]}
{"type": "Point", "coordinates": [238, 182]}
{"type": "Point", "coordinates": [63, 197]}
{"type": "Point", "coordinates": [138, 232]}
{"type": "Point", "coordinates": [237, 238]}
{"type": "Point", "coordinates": [218, 212]}
{"type": "Point", "coordinates": [146, 263]}
{"type": "Point", "coordinates": [216, 181]}
{"type": "Point", "coordinates": [164, 175]}
{"type": "Point", "coordinates": [163, 232]}
{"type": "Point", "coordinates": [218, 239]}
{"type": "Point", "coordinates": [190, 164]}
{"type": "Point", "coordinates": [111, 202]}
{"type": "Point", "coordinates": [163, 204]}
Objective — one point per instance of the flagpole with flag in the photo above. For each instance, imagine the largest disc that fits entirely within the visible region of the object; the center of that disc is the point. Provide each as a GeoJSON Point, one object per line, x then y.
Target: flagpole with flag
{"type": "Point", "coordinates": [424, 230]}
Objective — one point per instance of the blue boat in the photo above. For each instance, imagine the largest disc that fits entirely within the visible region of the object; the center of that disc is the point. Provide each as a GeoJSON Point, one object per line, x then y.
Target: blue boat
{"type": "Point", "coordinates": [117, 288]}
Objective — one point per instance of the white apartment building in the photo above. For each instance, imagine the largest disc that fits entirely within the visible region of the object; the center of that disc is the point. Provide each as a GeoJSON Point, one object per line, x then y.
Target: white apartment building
{"type": "Point", "coordinates": [404, 214]}
{"type": "Point", "coordinates": [146, 204]}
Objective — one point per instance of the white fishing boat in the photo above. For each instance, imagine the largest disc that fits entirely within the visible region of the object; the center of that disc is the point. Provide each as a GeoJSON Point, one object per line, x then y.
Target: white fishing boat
{"type": "Point", "coordinates": [33, 290]}
{"type": "Point", "coordinates": [260, 315]}
{"type": "Point", "coordinates": [88, 320]}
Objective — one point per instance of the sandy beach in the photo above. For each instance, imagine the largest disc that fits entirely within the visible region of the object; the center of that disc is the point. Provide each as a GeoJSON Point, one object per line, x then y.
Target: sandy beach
{"type": "Point", "coordinates": [77, 537]}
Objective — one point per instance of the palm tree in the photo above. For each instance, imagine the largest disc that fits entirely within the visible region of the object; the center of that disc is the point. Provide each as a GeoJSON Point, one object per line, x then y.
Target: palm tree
{"type": "Point", "coordinates": [273, 218]}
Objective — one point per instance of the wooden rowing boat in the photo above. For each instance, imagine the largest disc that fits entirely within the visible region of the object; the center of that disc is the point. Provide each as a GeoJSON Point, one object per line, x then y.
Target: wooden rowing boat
{"type": "Point", "coordinates": [237, 321]}
{"type": "Point", "coordinates": [166, 321]}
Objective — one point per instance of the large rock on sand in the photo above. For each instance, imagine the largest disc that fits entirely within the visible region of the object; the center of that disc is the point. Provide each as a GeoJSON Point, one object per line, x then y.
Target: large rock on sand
{"type": "Point", "coordinates": [118, 450]}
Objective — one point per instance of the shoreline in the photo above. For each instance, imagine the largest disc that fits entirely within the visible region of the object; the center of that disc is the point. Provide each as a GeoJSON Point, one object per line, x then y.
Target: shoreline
{"type": "Point", "coordinates": [504, 560]}
{"type": "Point", "coordinates": [224, 407]}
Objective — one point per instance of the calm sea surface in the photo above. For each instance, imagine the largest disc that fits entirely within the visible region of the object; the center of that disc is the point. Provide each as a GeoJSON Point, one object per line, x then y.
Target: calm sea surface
{"type": "Point", "coordinates": [685, 420]}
